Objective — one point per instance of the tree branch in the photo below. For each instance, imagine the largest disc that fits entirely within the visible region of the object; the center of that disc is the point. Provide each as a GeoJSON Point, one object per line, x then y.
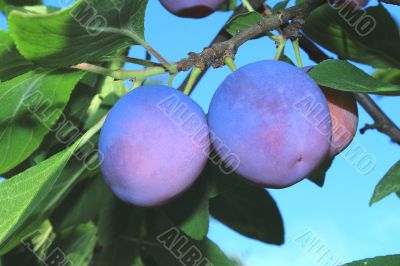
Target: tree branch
{"type": "Point", "coordinates": [216, 54]}
{"type": "Point", "coordinates": [222, 36]}
{"type": "Point", "coordinates": [382, 122]}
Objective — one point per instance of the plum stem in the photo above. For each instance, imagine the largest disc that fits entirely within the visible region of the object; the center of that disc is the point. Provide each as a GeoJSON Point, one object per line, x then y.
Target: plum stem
{"type": "Point", "coordinates": [230, 63]}
{"type": "Point", "coordinates": [296, 48]}
{"type": "Point", "coordinates": [196, 72]}
{"type": "Point", "coordinates": [248, 6]}
{"type": "Point", "coordinates": [281, 47]}
{"type": "Point", "coordinates": [121, 74]}
{"type": "Point", "coordinates": [171, 79]}
{"type": "Point", "coordinates": [128, 59]}
{"type": "Point", "coordinates": [223, 36]}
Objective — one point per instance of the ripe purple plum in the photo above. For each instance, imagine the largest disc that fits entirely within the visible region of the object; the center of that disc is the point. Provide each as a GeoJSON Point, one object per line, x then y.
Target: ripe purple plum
{"type": "Point", "coordinates": [275, 118]}
{"type": "Point", "coordinates": [154, 144]}
{"type": "Point", "coordinates": [344, 116]}
{"type": "Point", "coordinates": [192, 8]}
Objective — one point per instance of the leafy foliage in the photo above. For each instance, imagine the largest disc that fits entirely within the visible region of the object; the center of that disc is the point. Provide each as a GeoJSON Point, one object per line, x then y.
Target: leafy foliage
{"type": "Point", "coordinates": [349, 78]}
{"type": "Point", "coordinates": [33, 103]}
{"type": "Point", "coordinates": [65, 34]}
{"type": "Point", "coordinates": [367, 36]}
{"type": "Point", "coordinates": [13, 64]}
{"type": "Point", "coordinates": [389, 184]}
{"type": "Point", "coordinates": [242, 21]}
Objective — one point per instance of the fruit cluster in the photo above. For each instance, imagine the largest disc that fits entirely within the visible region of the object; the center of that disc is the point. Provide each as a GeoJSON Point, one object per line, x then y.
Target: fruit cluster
{"type": "Point", "coordinates": [269, 115]}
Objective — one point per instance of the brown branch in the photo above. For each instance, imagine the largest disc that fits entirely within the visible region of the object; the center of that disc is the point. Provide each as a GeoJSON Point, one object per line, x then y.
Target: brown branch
{"type": "Point", "coordinates": [214, 55]}
{"type": "Point", "coordinates": [382, 122]}
{"type": "Point", "coordinates": [222, 36]}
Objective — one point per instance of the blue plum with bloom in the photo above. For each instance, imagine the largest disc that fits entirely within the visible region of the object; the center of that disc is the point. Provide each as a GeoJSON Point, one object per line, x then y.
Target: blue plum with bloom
{"type": "Point", "coordinates": [275, 118]}
{"type": "Point", "coordinates": [192, 8]}
{"type": "Point", "coordinates": [154, 144]}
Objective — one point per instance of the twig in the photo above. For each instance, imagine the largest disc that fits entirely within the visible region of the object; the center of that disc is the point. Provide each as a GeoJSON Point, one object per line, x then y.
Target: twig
{"type": "Point", "coordinates": [216, 54]}
{"type": "Point", "coordinates": [222, 36]}
{"type": "Point", "coordinates": [382, 122]}
{"type": "Point", "coordinates": [121, 74]}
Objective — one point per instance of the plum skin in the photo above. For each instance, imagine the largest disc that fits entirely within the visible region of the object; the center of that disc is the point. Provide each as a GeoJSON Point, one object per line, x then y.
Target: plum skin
{"type": "Point", "coordinates": [344, 115]}
{"type": "Point", "coordinates": [254, 112]}
{"type": "Point", "coordinates": [192, 8]}
{"type": "Point", "coordinates": [148, 159]}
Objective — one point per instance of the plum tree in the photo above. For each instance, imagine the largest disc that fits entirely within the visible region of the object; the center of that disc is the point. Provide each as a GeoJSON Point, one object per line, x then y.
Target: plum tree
{"type": "Point", "coordinates": [149, 148]}
{"type": "Point", "coordinates": [192, 8]}
{"type": "Point", "coordinates": [344, 116]}
{"type": "Point", "coordinates": [263, 113]}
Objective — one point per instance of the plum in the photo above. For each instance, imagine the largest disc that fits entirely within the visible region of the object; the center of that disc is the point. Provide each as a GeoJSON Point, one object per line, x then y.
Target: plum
{"type": "Point", "coordinates": [2, 179]}
{"type": "Point", "coordinates": [192, 8]}
{"type": "Point", "coordinates": [154, 144]}
{"type": "Point", "coordinates": [275, 118]}
{"type": "Point", "coordinates": [344, 116]}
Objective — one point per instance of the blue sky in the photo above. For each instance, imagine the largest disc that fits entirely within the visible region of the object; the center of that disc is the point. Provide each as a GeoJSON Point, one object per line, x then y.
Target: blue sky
{"type": "Point", "coordinates": [338, 215]}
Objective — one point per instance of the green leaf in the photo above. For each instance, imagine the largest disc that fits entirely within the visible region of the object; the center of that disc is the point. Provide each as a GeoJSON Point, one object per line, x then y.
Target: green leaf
{"type": "Point", "coordinates": [389, 184]}
{"type": "Point", "coordinates": [76, 244]}
{"type": "Point", "coordinates": [31, 105]}
{"type": "Point", "coordinates": [339, 31]}
{"type": "Point", "coordinates": [121, 227]}
{"type": "Point", "coordinates": [318, 175]}
{"type": "Point", "coordinates": [280, 6]}
{"type": "Point", "coordinates": [205, 252]}
{"type": "Point", "coordinates": [12, 63]}
{"type": "Point", "coordinates": [250, 211]}
{"type": "Point", "coordinates": [341, 75]}
{"type": "Point", "coordinates": [4, 3]}
{"type": "Point", "coordinates": [31, 9]}
{"type": "Point", "coordinates": [81, 204]}
{"type": "Point", "coordinates": [109, 92]}
{"type": "Point", "coordinates": [23, 194]}
{"type": "Point", "coordinates": [83, 32]}
{"type": "Point", "coordinates": [388, 75]}
{"type": "Point", "coordinates": [40, 239]}
{"type": "Point", "coordinates": [74, 171]}
{"type": "Point", "coordinates": [190, 212]}
{"type": "Point", "coordinates": [242, 21]}
{"type": "Point", "coordinates": [392, 260]}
